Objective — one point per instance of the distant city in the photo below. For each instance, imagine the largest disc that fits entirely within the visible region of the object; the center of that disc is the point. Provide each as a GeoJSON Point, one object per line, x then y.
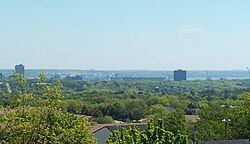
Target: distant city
{"type": "Point", "coordinates": [177, 75]}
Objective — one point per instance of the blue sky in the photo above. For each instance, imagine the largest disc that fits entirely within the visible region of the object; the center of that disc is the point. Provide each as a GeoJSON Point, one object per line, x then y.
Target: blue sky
{"type": "Point", "coordinates": [125, 34]}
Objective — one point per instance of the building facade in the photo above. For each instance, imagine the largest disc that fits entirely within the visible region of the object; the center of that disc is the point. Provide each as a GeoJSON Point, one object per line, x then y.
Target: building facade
{"type": "Point", "coordinates": [1, 77]}
{"type": "Point", "coordinates": [72, 77]}
{"type": "Point", "coordinates": [20, 69]}
{"type": "Point", "coordinates": [180, 75]}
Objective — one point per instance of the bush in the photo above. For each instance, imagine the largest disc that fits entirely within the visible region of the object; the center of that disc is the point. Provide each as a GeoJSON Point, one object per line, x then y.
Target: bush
{"type": "Point", "coordinates": [44, 125]}
{"type": "Point", "coordinates": [104, 120]}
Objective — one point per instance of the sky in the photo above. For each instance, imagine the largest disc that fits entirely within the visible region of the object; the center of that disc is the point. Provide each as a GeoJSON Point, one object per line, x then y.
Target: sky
{"type": "Point", "coordinates": [125, 34]}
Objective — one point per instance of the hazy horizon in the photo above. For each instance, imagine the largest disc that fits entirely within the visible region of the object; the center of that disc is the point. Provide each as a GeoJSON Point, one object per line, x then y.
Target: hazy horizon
{"type": "Point", "coordinates": [125, 35]}
{"type": "Point", "coordinates": [128, 69]}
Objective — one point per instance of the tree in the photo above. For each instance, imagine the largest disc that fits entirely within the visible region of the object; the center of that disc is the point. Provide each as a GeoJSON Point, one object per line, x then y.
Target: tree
{"type": "Point", "coordinates": [136, 109]}
{"type": "Point", "coordinates": [157, 100]}
{"type": "Point", "coordinates": [47, 123]}
{"type": "Point", "coordinates": [20, 81]}
{"type": "Point", "coordinates": [44, 125]}
{"type": "Point", "coordinates": [176, 122]}
{"type": "Point", "coordinates": [157, 110]}
{"type": "Point", "coordinates": [154, 134]}
{"type": "Point", "coordinates": [211, 126]}
{"type": "Point", "coordinates": [104, 120]}
{"type": "Point", "coordinates": [209, 130]}
{"type": "Point", "coordinates": [86, 110]}
{"type": "Point", "coordinates": [241, 118]}
{"type": "Point", "coordinates": [72, 106]}
{"type": "Point", "coordinates": [97, 113]}
{"type": "Point", "coordinates": [117, 110]}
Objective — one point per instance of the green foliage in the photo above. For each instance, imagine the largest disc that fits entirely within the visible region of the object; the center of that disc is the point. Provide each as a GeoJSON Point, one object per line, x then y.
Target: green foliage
{"type": "Point", "coordinates": [158, 100]}
{"type": "Point", "coordinates": [136, 109]}
{"type": "Point", "coordinates": [117, 110]}
{"type": "Point", "coordinates": [158, 110]}
{"type": "Point", "coordinates": [116, 98]}
{"type": "Point", "coordinates": [174, 122]}
{"type": "Point", "coordinates": [241, 118]}
{"type": "Point", "coordinates": [135, 100]}
{"type": "Point", "coordinates": [211, 127]}
{"type": "Point", "coordinates": [154, 134]}
{"type": "Point", "coordinates": [97, 113]}
{"type": "Point", "coordinates": [72, 106]}
{"type": "Point", "coordinates": [42, 78]}
{"type": "Point", "coordinates": [104, 120]}
{"type": "Point", "coordinates": [44, 125]}
{"type": "Point", "coordinates": [20, 81]}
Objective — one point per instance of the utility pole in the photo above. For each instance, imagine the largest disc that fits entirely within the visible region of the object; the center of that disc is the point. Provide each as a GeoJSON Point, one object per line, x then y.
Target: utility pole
{"type": "Point", "coordinates": [226, 122]}
{"type": "Point", "coordinates": [248, 71]}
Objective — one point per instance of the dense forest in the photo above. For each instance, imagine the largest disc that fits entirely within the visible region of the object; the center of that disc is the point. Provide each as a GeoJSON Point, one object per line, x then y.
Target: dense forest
{"type": "Point", "coordinates": [47, 111]}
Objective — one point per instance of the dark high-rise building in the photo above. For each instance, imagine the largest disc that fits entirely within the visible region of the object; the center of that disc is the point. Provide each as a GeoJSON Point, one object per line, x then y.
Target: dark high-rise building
{"type": "Point", "coordinates": [180, 75]}
{"type": "Point", "coordinates": [1, 77]}
{"type": "Point", "coordinates": [20, 69]}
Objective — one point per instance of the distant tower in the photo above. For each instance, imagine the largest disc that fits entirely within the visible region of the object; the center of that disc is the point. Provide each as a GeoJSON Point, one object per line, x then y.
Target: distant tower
{"type": "Point", "coordinates": [1, 77]}
{"type": "Point", "coordinates": [248, 71]}
{"type": "Point", "coordinates": [180, 75]}
{"type": "Point", "coordinates": [207, 76]}
{"type": "Point", "coordinates": [20, 69]}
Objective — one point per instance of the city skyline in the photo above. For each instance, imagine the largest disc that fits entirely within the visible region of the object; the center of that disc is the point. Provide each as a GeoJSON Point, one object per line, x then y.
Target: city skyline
{"type": "Point", "coordinates": [125, 35]}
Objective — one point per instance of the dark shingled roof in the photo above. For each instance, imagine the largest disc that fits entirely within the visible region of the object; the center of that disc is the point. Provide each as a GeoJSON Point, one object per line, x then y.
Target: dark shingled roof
{"type": "Point", "coordinates": [139, 126]}
{"type": "Point", "coordinates": [112, 127]}
{"type": "Point", "coordinates": [242, 141]}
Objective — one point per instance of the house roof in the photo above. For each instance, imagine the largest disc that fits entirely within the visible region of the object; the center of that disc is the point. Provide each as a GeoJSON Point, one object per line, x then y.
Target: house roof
{"type": "Point", "coordinates": [112, 127]}
{"type": "Point", "coordinates": [97, 128]}
{"type": "Point", "coordinates": [189, 118]}
{"type": "Point", "coordinates": [139, 126]}
{"type": "Point", "coordinates": [241, 141]}
{"type": "Point", "coordinates": [119, 122]}
{"type": "Point", "coordinates": [170, 109]}
{"type": "Point", "coordinates": [83, 116]}
{"type": "Point", "coordinates": [192, 118]}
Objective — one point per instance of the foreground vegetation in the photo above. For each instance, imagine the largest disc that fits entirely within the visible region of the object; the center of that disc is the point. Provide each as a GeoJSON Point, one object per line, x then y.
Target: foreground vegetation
{"type": "Point", "coordinates": [155, 133]}
{"type": "Point", "coordinates": [41, 121]}
{"type": "Point", "coordinates": [42, 110]}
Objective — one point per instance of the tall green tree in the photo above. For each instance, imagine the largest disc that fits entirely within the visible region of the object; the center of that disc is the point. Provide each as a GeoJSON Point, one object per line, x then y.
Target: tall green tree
{"type": "Point", "coordinates": [154, 134]}
{"type": "Point", "coordinates": [46, 123]}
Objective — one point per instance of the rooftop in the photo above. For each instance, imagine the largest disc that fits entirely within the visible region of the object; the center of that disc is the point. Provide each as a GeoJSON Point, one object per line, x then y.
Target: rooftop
{"type": "Point", "coordinates": [112, 127]}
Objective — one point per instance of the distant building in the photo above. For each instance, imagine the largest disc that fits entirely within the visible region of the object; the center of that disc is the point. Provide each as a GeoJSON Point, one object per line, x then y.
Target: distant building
{"type": "Point", "coordinates": [55, 77]}
{"type": "Point", "coordinates": [1, 77]}
{"type": "Point", "coordinates": [72, 77]}
{"type": "Point", "coordinates": [20, 69]}
{"type": "Point", "coordinates": [138, 78]}
{"type": "Point", "coordinates": [192, 118]}
{"type": "Point", "coordinates": [157, 90]}
{"type": "Point", "coordinates": [180, 75]}
{"type": "Point", "coordinates": [240, 141]}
